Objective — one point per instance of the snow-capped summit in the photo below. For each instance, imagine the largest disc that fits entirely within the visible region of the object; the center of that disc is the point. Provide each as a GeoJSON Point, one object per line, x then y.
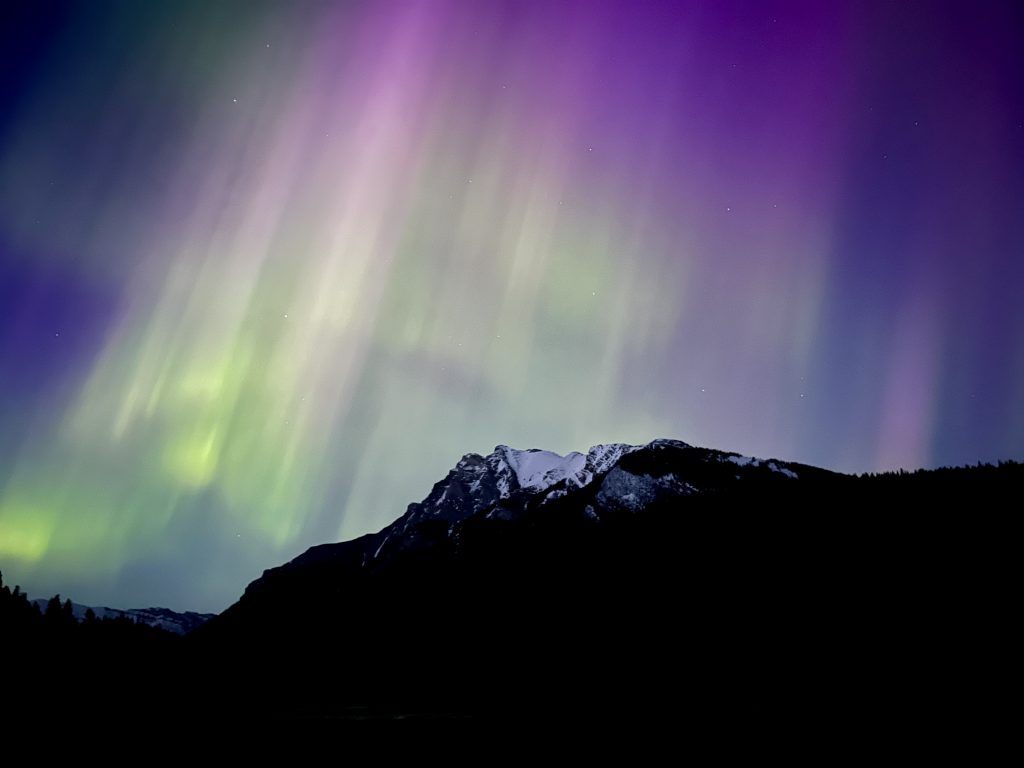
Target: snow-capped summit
{"type": "Point", "coordinates": [503, 482]}
{"type": "Point", "coordinates": [536, 470]}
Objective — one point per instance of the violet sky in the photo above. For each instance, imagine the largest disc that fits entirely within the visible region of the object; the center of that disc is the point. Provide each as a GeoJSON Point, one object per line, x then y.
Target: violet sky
{"type": "Point", "coordinates": [268, 269]}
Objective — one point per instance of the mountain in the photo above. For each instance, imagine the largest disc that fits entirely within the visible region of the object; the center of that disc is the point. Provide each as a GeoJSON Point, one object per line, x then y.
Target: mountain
{"type": "Point", "coordinates": [655, 582]}
{"type": "Point", "coordinates": [161, 618]}
{"type": "Point", "coordinates": [508, 484]}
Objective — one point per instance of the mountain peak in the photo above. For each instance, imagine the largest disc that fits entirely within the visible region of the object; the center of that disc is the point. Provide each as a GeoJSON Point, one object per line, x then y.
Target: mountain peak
{"type": "Point", "coordinates": [509, 483]}
{"type": "Point", "coordinates": [478, 482]}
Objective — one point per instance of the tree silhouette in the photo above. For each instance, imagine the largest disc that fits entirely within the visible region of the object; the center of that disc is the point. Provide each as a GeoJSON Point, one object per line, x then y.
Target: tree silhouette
{"type": "Point", "coordinates": [53, 609]}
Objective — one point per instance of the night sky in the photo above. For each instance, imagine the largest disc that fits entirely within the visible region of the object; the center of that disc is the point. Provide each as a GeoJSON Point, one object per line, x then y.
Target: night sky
{"type": "Point", "coordinates": [267, 270]}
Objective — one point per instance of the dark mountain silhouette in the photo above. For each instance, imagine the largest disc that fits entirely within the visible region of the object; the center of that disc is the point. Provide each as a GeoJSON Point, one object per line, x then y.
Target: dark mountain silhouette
{"type": "Point", "coordinates": [667, 581]}
{"type": "Point", "coordinates": [662, 583]}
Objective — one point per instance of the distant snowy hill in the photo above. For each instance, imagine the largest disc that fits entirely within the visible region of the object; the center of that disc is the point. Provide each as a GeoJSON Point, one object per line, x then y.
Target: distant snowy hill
{"type": "Point", "coordinates": [161, 618]}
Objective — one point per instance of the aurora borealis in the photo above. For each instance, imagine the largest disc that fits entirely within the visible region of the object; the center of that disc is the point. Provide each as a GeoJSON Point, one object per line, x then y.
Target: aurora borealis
{"type": "Point", "coordinates": [267, 270]}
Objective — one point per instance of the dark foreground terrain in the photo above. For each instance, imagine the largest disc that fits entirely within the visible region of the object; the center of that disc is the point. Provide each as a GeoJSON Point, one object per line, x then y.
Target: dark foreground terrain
{"type": "Point", "coordinates": [743, 596]}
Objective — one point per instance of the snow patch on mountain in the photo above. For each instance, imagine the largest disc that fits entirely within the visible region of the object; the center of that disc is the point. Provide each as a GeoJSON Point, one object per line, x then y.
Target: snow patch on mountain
{"type": "Point", "coordinates": [787, 472]}
{"type": "Point", "coordinates": [536, 470]}
{"type": "Point", "coordinates": [743, 461]}
{"type": "Point", "coordinates": [624, 490]}
{"type": "Point", "coordinates": [750, 461]}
